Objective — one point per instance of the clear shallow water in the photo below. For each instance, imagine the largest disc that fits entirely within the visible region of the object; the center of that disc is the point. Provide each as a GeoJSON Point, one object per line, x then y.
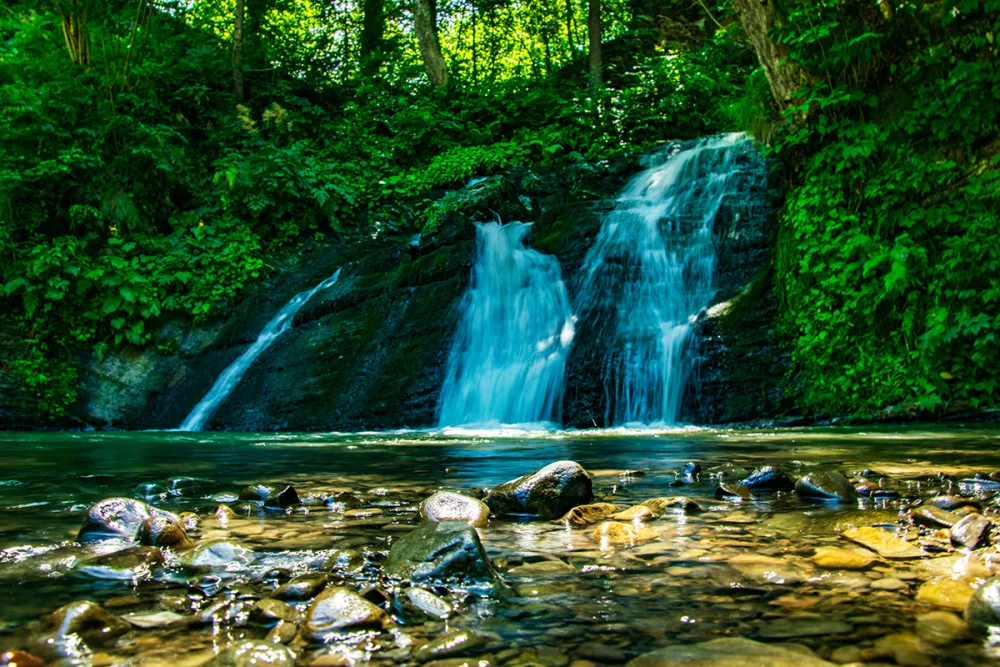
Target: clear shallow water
{"type": "Point", "coordinates": [685, 586]}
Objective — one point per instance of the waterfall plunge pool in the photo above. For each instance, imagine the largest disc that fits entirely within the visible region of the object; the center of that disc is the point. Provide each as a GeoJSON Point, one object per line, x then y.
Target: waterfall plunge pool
{"type": "Point", "coordinates": [735, 569]}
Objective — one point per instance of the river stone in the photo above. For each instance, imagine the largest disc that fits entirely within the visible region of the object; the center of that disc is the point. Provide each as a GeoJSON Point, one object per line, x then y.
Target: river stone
{"type": "Point", "coordinates": [584, 515]}
{"type": "Point", "coordinates": [86, 619]}
{"type": "Point", "coordinates": [452, 644]}
{"type": "Point", "coordinates": [347, 561]}
{"type": "Point", "coordinates": [252, 653]}
{"type": "Point", "coordinates": [933, 517]}
{"type": "Point", "coordinates": [339, 609]}
{"type": "Point", "coordinates": [218, 554]}
{"type": "Point", "coordinates": [448, 552]}
{"type": "Point", "coordinates": [905, 649]}
{"type": "Point", "coordinates": [826, 486]}
{"type": "Point", "coordinates": [725, 652]}
{"type": "Point", "coordinates": [119, 518]}
{"type": "Point", "coordinates": [983, 610]}
{"type": "Point", "coordinates": [282, 499]}
{"type": "Point", "coordinates": [131, 563]}
{"type": "Point", "coordinates": [183, 486]}
{"type": "Point", "coordinates": [971, 532]}
{"type": "Point", "coordinates": [941, 627]}
{"type": "Point", "coordinates": [304, 587]}
{"type": "Point", "coordinates": [257, 492]}
{"type": "Point", "coordinates": [883, 543]}
{"type": "Point", "coordinates": [450, 506]}
{"type": "Point", "coordinates": [150, 491]}
{"type": "Point", "coordinates": [732, 491]}
{"type": "Point", "coordinates": [661, 505]}
{"type": "Point", "coordinates": [636, 513]}
{"type": "Point", "coordinates": [690, 469]}
{"type": "Point", "coordinates": [545, 568]}
{"type": "Point", "coordinates": [835, 558]}
{"type": "Point", "coordinates": [548, 493]}
{"type": "Point", "coordinates": [953, 502]}
{"type": "Point", "coordinates": [159, 619]}
{"type": "Point", "coordinates": [613, 533]}
{"type": "Point", "coordinates": [947, 592]}
{"type": "Point", "coordinates": [269, 611]}
{"type": "Point", "coordinates": [768, 478]}
{"type": "Point", "coordinates": [165, 530]}
{"type": "Point", "coordinates": [428, 603]}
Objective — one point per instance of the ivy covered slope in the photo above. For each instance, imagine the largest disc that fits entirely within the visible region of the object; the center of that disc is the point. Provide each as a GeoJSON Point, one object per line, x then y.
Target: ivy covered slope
{"type": "Point", "coordinates": [159, 159]}
{"type": "Point", "coordinates": [888, 259]}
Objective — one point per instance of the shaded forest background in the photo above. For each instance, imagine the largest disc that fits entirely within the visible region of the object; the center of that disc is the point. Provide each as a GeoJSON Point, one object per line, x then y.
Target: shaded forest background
{"type": "Point", "coordinates": [160, 157]}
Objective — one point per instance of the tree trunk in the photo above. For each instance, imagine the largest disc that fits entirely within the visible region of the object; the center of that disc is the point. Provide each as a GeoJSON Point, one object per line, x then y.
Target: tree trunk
{"type": "Point", "coordinates": [238, 51]}
{"type": "Point", "coordinates": [74, 26]}
{"type": "Point", "coordinates": [430, 48]}
{"type": "Point", "coordinates": [758, 18]}
{"type": "Point", "coordinates": [255, 53]}
{"type": "Point", "coordinates": [594, 33]}
{"type": "Point", "coordinates": [372, 32]}
{"type": "Point", "coordinates": [569, 28]}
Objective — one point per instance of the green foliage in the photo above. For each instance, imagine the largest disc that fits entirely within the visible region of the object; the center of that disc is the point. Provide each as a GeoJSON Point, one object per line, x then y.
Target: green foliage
{"type": "Point", "coordinates": [888, 260]}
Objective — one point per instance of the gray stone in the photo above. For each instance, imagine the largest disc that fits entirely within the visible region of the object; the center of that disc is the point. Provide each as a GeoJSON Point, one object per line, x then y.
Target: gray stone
{"type": "Point", "coordinates": [983, 610]}
{"type": "Point", "coordinates": [768, 478]}
{"type": "Point", "coordinates": [450, 506]}
{"type": "Point", "coordinates": [826, 486]}
{"type": "Point", "coordinates": [971, 532]}
{"type": "Point", "coordinates": [305, 587]}
{"type": "Point", "coordinates": [336, 610]}
{"type": "Point", "coordinates": [449, 552]}
{"type": "Point", "coordinates": [549, 492]}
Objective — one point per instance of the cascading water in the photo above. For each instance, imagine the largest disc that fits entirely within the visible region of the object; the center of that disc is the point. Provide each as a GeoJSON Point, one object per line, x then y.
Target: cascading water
{"type": "Point", "coordinates": [508, 359]}
{"type": "Point", "coordinates": [650, 273]}
{"type": "Point", "coordinates": [231, 377]}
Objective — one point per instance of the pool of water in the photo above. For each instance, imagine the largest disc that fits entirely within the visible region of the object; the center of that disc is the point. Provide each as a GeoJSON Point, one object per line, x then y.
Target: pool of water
{"type": "Point", "coordinates": [735, 569]}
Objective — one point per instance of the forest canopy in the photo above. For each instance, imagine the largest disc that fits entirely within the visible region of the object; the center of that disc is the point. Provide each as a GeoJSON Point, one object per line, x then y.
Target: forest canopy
{"type": "Point", "coordinates": [159, 157]}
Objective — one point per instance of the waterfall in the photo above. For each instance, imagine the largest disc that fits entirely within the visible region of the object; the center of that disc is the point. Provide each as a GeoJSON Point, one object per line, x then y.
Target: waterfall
{"type": "Point", "coordinates": [650, 273]}
{"type": "Point", "coordinates": [231, 377]}
{"type": "Point", "coordinates": [508, 359]}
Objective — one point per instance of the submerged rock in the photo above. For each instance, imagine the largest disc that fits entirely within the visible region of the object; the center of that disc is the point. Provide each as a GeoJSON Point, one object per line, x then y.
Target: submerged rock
{"type": "Point", "coordinates": [305, 587]}
{"type": "Point", "coordinates": [269, 611]}
{"type": "Point", "coordinates": [452, 644]}
{"type": "Point", "coordinates": [451, 506]}
{"type": "Point", "coordinates": [165, 530]}
{"type": "Point", "coordinates": [549, 492]}
{"type": "Point", "coordinates": [835, 558]}
{"type": "Point", "coordinates": [934, 517]}
{"type": "Point", "coordinates": [883, 543]}
{"type": "Point", "coordinates": [340, 609]}
{"type": "Point", "coordinates": [413, 601]}
{"type": "Point", "coordinates": [252, 653]}
{"type": "Point", "coordinates": [953, 502]}
{"type": "Point", "coordinates": [449, 552]}
{"type": "Point", "coordinates": [729, 651]}
{"type": "Point", "coordinates": [983, 609]}
{"type": "Point", "coordinates": [661, 505]}
{"type": "Point", "coordinates": [584, 515]}
{"type": "Point", "coordinates": [732, 491]}
{"type": "Point", "coordinates": [768, 478]}
{"type": "Point", "coordinates": [636, 513]}
{"type": "Point", "coordinates": [85, 620]}
{"type": "Point", "coordinates": [131, 563]}
{"type": "Point", "coordinates": [826, 486]}
{"type": "Point", "coordinates": [613, 533]}
{"type": "Point", "coordinates": [218, 554]}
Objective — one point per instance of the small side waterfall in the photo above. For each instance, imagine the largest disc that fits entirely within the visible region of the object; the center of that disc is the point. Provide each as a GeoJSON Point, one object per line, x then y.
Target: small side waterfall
{"type": "Point", "coordinates": [508, 359]}
{"type": "Point", "coordinates": [231, 377]}
{"type": "Point", "coordinates": [650, 273]}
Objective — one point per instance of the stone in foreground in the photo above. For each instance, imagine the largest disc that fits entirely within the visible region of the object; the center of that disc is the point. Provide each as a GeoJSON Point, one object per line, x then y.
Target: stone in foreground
{"type": "Point", "coordinates": [883, 543]}
{"type": "Point", "coordinates": [448, 552]}
{"type": "Point", "coordinates": [730, 651]}
{"type": "Point", "coordinates": [983, 610]}
{"type": "Point", "coordinates": [549, 493]}
{"type": "Point", "coordinates": [339, 609]}
{"type": "Point", "coordinates": [129, 520]}
{"type": "Point", "coordinates": [826, 486]}
{"type": "Point", "coordinates": [245, 654]}
{"type": "Point", "coordinates": [451, 506]}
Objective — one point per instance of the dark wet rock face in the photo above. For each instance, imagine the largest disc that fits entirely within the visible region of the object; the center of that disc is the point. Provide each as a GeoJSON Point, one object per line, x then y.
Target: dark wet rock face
{"type": "Point", "coordinates": [446, 553]}
{"type": "Point", "coordinates": [339, 609]}
{"type": "Point", "coordinates": [826, 486]}
{"type": "Point", "coordinates": [768, 478]}
{"type": "Point", "coordinates": [548, 493]}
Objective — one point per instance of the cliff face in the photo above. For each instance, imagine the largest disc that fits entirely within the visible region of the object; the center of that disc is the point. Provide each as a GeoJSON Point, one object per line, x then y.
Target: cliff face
{"type": "Point", "coordinates": [369, 352]}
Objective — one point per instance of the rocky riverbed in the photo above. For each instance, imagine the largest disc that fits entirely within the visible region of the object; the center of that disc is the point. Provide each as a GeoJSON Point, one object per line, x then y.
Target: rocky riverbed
{"type": "Point", "coordinates": [808, 551]}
